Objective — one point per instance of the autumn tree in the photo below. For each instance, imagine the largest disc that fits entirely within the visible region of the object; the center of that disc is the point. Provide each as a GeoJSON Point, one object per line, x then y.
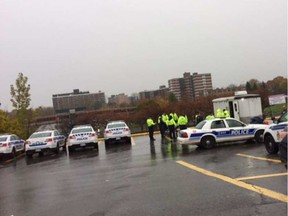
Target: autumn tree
{"type": "Point", "coordinates": [8, 124]}
{"type": "Point", "coordinates": [20, 98]}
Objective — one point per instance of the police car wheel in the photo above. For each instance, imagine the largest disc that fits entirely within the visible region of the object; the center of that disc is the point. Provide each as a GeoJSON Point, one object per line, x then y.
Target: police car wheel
{"type": "Point", "coordinates": [95, 146]}
{"type": "Point", "coordinates": [270, 145]}
{"type": "Point", "coordinates": [29, 155]}
{"type": "Point", "coordinates": [207, 142]}
{"type": "Point", "coordinates": [259, 136]}
{"type": "Point", "coordinates": [71, 148]}
{"type": "Point", "coordinates": [13, 153]}
{"type": "Point", "coordinates": [56, 150]}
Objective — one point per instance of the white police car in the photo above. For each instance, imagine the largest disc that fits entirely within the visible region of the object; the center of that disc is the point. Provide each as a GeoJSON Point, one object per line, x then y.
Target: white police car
{"type": "Point", "coordinates": [44, 141]}
{"type": "Point", "coordinates": [208, 133]}
{"type": "Point", "coordinates": [117, 131]}
{"type": "Point", "coordinates": [10, 144]}
{"type": "Point", "coordinates": [272, 134]}
{"type": "Point", "coordinates": [82, 136]}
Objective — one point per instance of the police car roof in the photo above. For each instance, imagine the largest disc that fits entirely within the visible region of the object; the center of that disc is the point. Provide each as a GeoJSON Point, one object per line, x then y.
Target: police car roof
{"type": "Point", "coordinates": [44, 131]}
{"type": "Point", "coordinates": [86, 125]}
{"type": "Point", "coordinates": [115, 122]}
{"type": "Point", "coordinates": [6, 134]}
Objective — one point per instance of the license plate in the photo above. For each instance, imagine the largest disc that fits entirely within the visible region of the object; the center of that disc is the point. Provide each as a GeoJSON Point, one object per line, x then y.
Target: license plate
{"type": "Point", "coordinates": [83, 144]}
{"type": "Point", "coordinates": [118, 138]}
{"type": "Point", "coordinates": [38, 150]}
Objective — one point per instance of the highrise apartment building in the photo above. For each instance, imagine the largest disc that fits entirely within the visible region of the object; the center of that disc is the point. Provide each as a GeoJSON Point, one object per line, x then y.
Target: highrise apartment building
{"type": "Point", "coordinates": [191, 86]}
{"type": "Point", "coordinates": [77, 101]}
{"type": "Point", "coordinates": [202, 84]}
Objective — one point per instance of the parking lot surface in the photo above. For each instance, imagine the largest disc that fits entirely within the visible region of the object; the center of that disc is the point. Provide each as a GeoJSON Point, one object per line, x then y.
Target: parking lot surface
{"type": "Point", "coordinates": [160, 178]}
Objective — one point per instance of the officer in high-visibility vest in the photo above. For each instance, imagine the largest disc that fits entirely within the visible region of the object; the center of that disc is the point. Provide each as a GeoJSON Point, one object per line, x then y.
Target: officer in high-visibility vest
{"type": "Point", "coordinates": [182, 122]}
{"type": "Point", "coordinates": [226, 113]}
{"type": "Point", "coordinates": [162, 126]}
{"type": "Point", "coordinates": [210, 117]}
{"type": "Point", "coordinates": [219, 113]}
{"type": "Point", "coordinates": [150, 124]}
{"type": "Point", "coordinates": [172, 127]}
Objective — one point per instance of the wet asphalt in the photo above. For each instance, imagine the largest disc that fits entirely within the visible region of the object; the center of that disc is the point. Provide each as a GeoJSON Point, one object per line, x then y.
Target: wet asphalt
{"type": "Point", "coordinates": [141, 179]}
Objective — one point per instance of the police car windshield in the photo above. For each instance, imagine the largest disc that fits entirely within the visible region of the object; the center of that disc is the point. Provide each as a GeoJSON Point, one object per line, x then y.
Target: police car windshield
{"type": "Point", "coordinates": [3, 139]}
{"type": "Point", "coordinates": [200, 124]}
{"type": "Point", "coordinates": [39, 135]}
{"type": "Point", "coordinates": [81, 130]}
{"type": "Point", "coordinates": [116, 125]}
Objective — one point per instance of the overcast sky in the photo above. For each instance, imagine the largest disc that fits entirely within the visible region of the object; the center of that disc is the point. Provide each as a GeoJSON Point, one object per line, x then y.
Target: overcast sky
{"type": "Point", "coordinates": [127, 46]}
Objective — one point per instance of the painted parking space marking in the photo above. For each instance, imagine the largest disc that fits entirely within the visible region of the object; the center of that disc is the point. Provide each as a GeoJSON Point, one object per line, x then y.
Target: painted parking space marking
{"type": "Point", "coordinates": [133, 141]}
{"type": "Point", "coordinates": [259, 158]}
{"type": "Point", "coordinates": [261, 176]}
{"type": "Point", "coordinates": [254, 188]}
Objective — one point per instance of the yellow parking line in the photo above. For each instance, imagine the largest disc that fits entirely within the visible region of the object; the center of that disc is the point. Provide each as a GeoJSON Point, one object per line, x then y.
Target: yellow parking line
{"type": "Point", "coordinates": [259, 158]}
{"type": "Point", "coordinates": [133, 141]}
{"type": "Point", "coordinates": [261, 176]}
{"type": "Point", "coordinates": [254, 188]}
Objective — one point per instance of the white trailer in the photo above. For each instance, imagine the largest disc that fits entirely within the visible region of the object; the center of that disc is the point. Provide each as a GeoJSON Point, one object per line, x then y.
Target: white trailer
{"type": "Point", "coordinates": [241, 106]}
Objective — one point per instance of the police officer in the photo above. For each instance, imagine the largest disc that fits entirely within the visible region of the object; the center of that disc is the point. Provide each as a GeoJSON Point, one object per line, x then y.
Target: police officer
{"type": "Point", "coordinates": [210, 117]}
{"type": "Point", "coordinates": [182, 122]}
{"type": "Point", "coordinates": [226, 113]}
{"type": "Point", "coordinates": [198, 118]}
{"type": "Point", "coordinates": [172, 127]}
{"type": "Point", "coordinates": [162, 126]}
{"type": "Point", "coordinates": [150, 124]}
{"type": "Point", "coordinates": [219, 113]}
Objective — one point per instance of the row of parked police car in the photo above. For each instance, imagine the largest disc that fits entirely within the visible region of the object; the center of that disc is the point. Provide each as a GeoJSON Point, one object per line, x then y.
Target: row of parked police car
{"type": "Point", "coordinates": [52, 141]}
{"type": "Point", "coordinates": [206, 134]}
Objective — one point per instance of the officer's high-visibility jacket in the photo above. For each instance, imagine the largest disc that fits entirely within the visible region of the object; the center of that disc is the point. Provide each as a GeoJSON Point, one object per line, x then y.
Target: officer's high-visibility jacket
{"type": "Point", "coordinates": [226, 114]}
{"type": "Point", "coordinates": [165, 117]}
{"type": "Point", "coordinates": [186, 118]}
{"type": "Point", "coordinates": [210, 117]}
{"type": "Point", "coordinates": [219, 113]}
{"type": "Point", "coordinates": [175, 117]}
{"type": "Point", "coordinates": [182, 120]}
{"type": "Point", "coordinates": [171, 122]}
{"type": "Point", "coordinates": [150, 122]}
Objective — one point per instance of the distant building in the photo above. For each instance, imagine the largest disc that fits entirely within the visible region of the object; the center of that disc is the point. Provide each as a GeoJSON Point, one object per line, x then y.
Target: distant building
{"type": "Point", "coordinates": [134, 97]}
{"type": "Point", "coordinates": [77, 101]}
{"type": "Point", "coordinates": [191, 86]}
{"type": "Point", "coordinates": [162, 92]}
{"type": "Point", "coordinates": [118, 99]}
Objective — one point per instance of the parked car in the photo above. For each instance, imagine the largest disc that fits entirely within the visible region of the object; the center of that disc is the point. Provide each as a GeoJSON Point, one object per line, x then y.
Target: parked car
{"type": "Point", "coordinates": [10, 145]}
{"type": "Point", "coordinates": [116, 132]}
{"type": "Point", "coordinates": [208, 133]}
{"type": "Point", "coordinates": [283, 145]}
{"type": "Point", "coordinates": [44, 141]}
{"type": "Point", "coordinates": [272, 134]}
{"type": "Point", "coordinates": [82, 136]}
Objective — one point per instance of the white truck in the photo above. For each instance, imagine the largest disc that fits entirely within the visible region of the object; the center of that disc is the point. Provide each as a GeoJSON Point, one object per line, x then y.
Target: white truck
{"type": "Point", "coordinates": [241, 106]}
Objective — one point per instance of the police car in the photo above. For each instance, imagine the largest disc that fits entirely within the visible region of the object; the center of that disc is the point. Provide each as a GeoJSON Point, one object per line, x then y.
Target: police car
{"type": "Point", "coordinates": [272, 134]}
{"type": "Point", "coordinates": [44, 141]}
{"type": "Point", "coordinates": [10, 144]}
{"type": "Point", "coordinates": [82, 136]}
{"type": "Point", "coordinates": [208, 133]}
{"type": "Point", "coordinates": [117, 131]}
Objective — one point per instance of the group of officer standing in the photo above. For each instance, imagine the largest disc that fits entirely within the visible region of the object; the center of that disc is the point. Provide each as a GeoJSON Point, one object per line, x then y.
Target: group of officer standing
{"type": "Point", "coordinates": [172, 121]}
{"type": "Point", "coordinates": [167, 122]}
{"type": "Point", "coordinates": [219, 114]}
